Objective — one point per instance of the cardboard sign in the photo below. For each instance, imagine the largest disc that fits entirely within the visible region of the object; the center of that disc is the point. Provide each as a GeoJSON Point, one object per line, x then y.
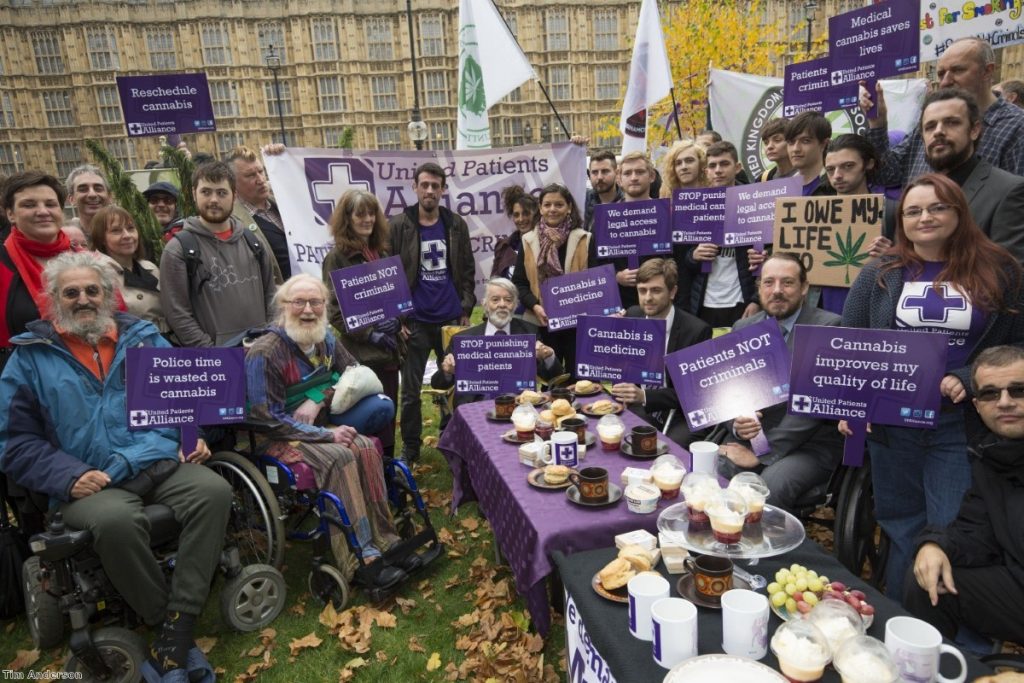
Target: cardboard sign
{"type": "Point", "coordinates": [588, 292]}
{"type": "Point", "coordinates": [184, 388]}
{"type": "Point", "coordinates": [874, 42]}
{"type": "Point", "coordinates": [698, 215]}
{"type": "Point", "coordinates": [495, 364]}
{"type": "Point", "coordinates": [371, 292]}
{"type": "Point", "coordinates": [750, 210]}
{"type": "Point", "coordinates": [633, 229]}
{"type": "Point", "coordinates": [736, 374]}
{"type": "Point", "coordinates": [830, 234]}
{"type": "Point", "coordinates": [621, 350]}
{"type": "Point", "coordinates": [165, 104]}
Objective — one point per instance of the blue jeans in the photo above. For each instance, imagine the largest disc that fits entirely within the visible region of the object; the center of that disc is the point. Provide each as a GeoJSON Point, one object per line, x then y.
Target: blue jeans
{"type": "Point", "coordinates": [369, 415]}
{"type": "Point", "coordinates": [919, 477]}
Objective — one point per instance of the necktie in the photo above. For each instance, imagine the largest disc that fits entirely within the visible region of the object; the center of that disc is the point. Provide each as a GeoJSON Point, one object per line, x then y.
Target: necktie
{"type": "Point", "coordinates": [500, 332]}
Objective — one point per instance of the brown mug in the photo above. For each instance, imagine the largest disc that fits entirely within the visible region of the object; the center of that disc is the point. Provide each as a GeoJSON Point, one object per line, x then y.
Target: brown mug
{"type": "Point", "coordinates": [578, 425]}
{"type": "Point", "coordinates": [643, 440]}
{"type": "Point", "coordinates": [712, 576]}
{"type": "Point", "coordinates": [592, 484]}
{"type": "Point", "coordinates": [504, 405]}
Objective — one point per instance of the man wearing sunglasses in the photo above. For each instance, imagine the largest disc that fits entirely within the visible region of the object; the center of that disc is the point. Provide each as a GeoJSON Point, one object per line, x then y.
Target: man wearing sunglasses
{"type": "Point", "coordinates": [972, 572]}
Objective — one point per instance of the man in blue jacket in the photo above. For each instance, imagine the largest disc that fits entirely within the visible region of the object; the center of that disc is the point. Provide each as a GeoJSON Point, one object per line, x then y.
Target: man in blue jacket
{"type": "Point", "coordinates": [63, 433]}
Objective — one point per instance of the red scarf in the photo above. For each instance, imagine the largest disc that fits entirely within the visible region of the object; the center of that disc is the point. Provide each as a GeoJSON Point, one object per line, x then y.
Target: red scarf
{"type": "Point", "coordinates": [24, 252]}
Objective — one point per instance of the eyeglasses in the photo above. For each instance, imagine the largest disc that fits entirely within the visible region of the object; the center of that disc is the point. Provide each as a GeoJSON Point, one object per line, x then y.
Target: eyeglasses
{"type": "Point", "coordinates": [986, 394]}
{"type": "Point", "coordinates": [300, 304]}
{"type": "Point", "coordinates": [72, 293]}
{"type": "Point", "coordinates": [163, 199]}
{"type": "Point", "coordinates": [934, 210]}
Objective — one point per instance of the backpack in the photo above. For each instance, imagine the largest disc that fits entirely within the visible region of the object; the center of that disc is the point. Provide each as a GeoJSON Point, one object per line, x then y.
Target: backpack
{"type": "Point", "coordinates": [198, 274]}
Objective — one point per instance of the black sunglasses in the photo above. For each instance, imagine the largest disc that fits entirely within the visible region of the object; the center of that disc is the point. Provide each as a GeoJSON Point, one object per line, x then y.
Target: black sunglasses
{"type": "Point", "coordinates": [1016, 392]}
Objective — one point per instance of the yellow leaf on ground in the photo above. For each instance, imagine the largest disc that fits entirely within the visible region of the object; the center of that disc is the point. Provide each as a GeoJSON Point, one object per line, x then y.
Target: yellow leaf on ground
{"type": "Point", "coordinates": [430, 441]}
{"type": "Point", "coordinates": [267, 635]}
{"type": "Point", "coordinates": [385, 619]}
{"type": "Point", "coordinates": [23, 660]}
{"type": "Point", "coordinates": [305, 642]}
{"type": "Point", "coordinates": [470, 523]}
{"type": "Point", "coordinates": [434, 662]}
{"type": "Point", "coordinates": [329, 617]}
{"type": "Point", "coordinates": [415, 646]}
{"type": "Point", "coordinates": [256, 651]}
{"type": "Point", "coordinates": [205, 644]}
{"type": "Point", "coordinates": [405, 604]}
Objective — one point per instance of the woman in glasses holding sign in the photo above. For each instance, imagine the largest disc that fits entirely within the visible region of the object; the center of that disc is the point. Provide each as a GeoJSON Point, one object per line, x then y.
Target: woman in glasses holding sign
{"type": "Point", "coordinates": [557, 246]}
{"type": "Point", "coordinates": [943, 275]}
{"type": "Point", "coordinates": [361, 234]}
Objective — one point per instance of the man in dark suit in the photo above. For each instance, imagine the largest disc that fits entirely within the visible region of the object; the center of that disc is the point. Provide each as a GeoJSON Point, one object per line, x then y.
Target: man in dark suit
{"type": "Point", "coordinates": [656, 287]}
{"type": "Point", "coordinates": [804, 451]}
{"type": "Point", "coordinates": [500, 301]}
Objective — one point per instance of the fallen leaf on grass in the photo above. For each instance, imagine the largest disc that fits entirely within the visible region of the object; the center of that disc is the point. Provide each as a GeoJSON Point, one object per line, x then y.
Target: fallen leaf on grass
{"type": "Point", "coordinates": [430, 441]}
{"type": "Point", "coordinates": [381, 656]}
{"type": "Point", "coordinates": [205, 644]}
{"type": "Point", "coordinates": [298, 609]}
{"type": "Point", "coordinates": [415, 646]}
{"type": "Point", "coordinates": [405, 604]}
{"type": "Point", "coordinates": [384, 619]}
{"type": "Point", "coordinates": [434, 662]}
{"type": "Point", "coordinates": [348, 671]}
{"type": "Point", "coordinates": [256, 651]}
{"type": "Point", "coordinates": [305, 642]}
{"type": "Point", "coordinates": [470, 523]}
{"type": "Point", "coordinates": [23, 659]}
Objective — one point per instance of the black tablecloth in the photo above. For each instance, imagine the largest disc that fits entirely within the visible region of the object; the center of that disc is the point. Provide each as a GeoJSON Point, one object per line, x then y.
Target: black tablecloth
{"type": "Point", "coordinates": [629, 659]}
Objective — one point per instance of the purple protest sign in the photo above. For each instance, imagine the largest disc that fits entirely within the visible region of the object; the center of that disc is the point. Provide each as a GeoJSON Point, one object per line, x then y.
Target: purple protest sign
{"type": "Point", "coordinates": [861, 376]}
{"type": "Point", "coordinates": [698, 215]}
{"type": "Point", "coordinates": [732, 375]}
{"type": "Point", "coordinates": [496, 364]}
{"type": "Point", "coordinates": [621, 350]}
{"type": "Point", "coordinates": [750, 210]}
{"type": "Point", "coordinates": [807, 86]}
{"type": "Point", "coordinates": [371, 292]}
{"type": "Point", "coordinates": [633, 229]}
{"type": "Point", "coordinates": [588, 292]}
{"type": "Point", "coordinates": [184, 388]}
{"type": "Point", "coordinates": [164, 104]}
{"type": "Point", "coordinates": [874, 42]}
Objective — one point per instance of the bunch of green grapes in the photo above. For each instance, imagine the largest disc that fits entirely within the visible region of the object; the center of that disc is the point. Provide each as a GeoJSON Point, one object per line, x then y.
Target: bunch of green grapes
{"type": "Point", "coordinates": [798, 589]}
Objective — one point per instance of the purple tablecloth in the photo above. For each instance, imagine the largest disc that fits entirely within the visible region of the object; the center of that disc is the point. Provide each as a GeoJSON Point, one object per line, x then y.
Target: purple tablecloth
{"type": "Point", "coordinates": [529, 524]}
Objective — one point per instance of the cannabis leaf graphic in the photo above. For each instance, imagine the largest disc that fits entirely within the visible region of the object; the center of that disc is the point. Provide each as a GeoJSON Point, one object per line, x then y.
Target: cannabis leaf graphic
{"type": "Point", "coordinates": [471, 89]}
{"type": "Point", "coordinates": [849, 253]}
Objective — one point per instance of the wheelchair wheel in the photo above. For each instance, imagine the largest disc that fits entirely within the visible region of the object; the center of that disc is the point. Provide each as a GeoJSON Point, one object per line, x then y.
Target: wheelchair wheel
{"type": "Point", "coordinates": [253, 598]}
{"type": "Point", "coordinates": [255, 527]}
{"type": "Point", "coordinates": [860, 544]}
{"type": "Point", "coordinates": [45, 620]}
{"type": "Point", "coordinates": [327, 584]}
{"type": "Point", "coordinates": [122, 650]}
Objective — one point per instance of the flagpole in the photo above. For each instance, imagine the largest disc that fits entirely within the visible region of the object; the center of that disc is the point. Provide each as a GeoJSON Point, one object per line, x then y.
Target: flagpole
{"type": "Point", "coordinates": [675, 111]}
{"type": "Point", "coordinates": [552, 105]}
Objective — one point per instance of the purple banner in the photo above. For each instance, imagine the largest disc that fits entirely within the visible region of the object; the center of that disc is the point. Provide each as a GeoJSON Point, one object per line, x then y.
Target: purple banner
{"type": "Point", "coordinates": [863, 375]}
{"type": "Point", "coordinates": [496, 364]}
{"type": "Point", "coordinates": [698, 215]}
{"type": "Point", "coordinates": [621, 350]}
{"type": "Point", "coordinates": [732, 375]}
{"type": "Point", "coordinates": [371, 292]}
{"type": "Point", "coordinates": [165, 104]}
{"type": "Point", "coordinates": [633, 229]}
{"type": "Point", "coordinates": [808, 87]}
{"type": "Point", "coordinates": [588, 292]}
{"type": "Point", "coordinates": [874, 42]}
{"type": "Point", "coordinates": [750, 210]}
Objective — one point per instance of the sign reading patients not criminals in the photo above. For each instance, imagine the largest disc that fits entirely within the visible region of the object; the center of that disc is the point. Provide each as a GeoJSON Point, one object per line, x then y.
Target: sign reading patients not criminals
{"type": "Point", "coordinates": [165, 104]}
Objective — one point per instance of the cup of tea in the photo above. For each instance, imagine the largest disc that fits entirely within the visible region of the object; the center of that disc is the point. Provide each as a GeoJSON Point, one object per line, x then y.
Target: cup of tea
{"type": "Point", "coordinates": [504, 405]}
{"type": "Point", "coordinates": [592, 483]}
{"type": "Point", "coordinates": [705, 455]}
{"type": "Point", "coordinates": [561, 392]}
{"type": "Point", "coordinates": [643, 440]}
{"type": "Point", "coordinates": [578, 426]}
{"type": "Point", "coordinates": [712, 576]}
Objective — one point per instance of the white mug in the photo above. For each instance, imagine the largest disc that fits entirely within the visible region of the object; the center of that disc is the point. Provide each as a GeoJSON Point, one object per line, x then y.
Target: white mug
{"type": "Point", "coordinates": [644, 590]}
{"type": "Point", "coordinates": [704, 455]}
{"type": "Point", "coordinates": [564, 450]}
{"type": "Point", "coordinates": [915, 647]}
{"type": "Point", "coordinates": [744, 623]}
{"type": "Point", "coordinates": [674, 625]}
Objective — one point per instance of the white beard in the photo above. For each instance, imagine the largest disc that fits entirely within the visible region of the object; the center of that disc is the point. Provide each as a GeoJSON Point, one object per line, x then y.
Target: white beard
{"type": "Point", "coordinates": [305, 336]}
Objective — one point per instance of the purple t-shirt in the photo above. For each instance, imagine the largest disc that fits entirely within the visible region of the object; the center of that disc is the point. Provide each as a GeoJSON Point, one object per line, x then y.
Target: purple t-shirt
{"type": "Point", "coordinates": [922, 308]}
{"type": "Point", "coordinates": [434, 298]}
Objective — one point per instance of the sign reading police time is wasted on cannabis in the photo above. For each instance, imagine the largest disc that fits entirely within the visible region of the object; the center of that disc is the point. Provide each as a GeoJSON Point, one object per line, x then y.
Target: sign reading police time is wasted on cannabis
{"type": "Point", "coordinates": [831, 235]}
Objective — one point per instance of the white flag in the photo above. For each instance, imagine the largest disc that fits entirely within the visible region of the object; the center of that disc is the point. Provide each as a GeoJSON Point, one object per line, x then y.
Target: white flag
{"type": "Point", "coordinates": [491, 65]}
{"type": "Point", "coordinates": [650, 78]}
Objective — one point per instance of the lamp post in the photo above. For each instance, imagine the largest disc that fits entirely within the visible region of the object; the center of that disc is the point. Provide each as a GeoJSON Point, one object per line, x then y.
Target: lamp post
{"type": "Point", "coordinates": [273, 61]}
{"type": "Point", "coordinates": [528, 133]}
{"type": "Point", "coordinates": [417, 129]}
{"type": "Point", "coordinates": [810, 6]}
{"type": "Point", "coordinates": [545, 132]}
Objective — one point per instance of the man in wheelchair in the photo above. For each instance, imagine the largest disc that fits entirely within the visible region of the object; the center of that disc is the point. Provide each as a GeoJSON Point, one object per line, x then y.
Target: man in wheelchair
{"type": "Point", "coordinates": [63, 433]}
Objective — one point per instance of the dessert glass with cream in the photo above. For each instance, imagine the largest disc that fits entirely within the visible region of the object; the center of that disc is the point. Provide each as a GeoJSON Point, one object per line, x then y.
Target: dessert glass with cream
{"type": "Point", "coordinates": [698, 490]}
{"type": "Point", "coordinates": [524, 419]}
{"type": "Point", "coordinates": [754, 490]}
{"type": "Point", "coordinates": [838, 621]}
{"type": "Point", "coordinates": [863, 659]}
{"type": "Point", "coordinates": [610, 430]}
{"type": "Point", "coordinates": [668, 477]}
{"type": "Point", "coordinates": [727, 513]}
{"type": "Point", "coordinates": [802, 650]}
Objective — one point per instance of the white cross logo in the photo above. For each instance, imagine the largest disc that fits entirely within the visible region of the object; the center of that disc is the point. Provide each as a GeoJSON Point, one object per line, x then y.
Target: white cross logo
{"type": "Point", "coordinates": [134, 128]}
{"type": "Point", "coordinates": [328, 191]}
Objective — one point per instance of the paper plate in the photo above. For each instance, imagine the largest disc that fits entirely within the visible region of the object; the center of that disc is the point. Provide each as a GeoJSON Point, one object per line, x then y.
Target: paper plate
{"type": "Point", "coordinates": [719, 668]}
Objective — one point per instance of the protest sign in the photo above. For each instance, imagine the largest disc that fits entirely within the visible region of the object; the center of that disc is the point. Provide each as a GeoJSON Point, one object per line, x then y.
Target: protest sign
{"type": "Point", "coordinates": [807, 86]}
{"type": "Point", "coordinates": [861, 375]}
{"type": "Point", "coordinates": [621, 350]}
{"type": "Point", "coordinates": [736, 374]}
{"type": "Point", "coordinates": [309, 182]}
{"type": "Point", "coordinates": [184, 388]}
{"type": "Point", "coordinates": [494, 364]}
{"type": "Point", "coordinates": [588, 292]}
{"type": "Point", "coordinates": [873, 42]}
{"type": "Point", "coordinates": [831, 235]}
{"type": "Point", "coordinates": [750, 210]}
{"type": "Point", "coordinates": [698, 215]}
{"type": "Point", "coordinates": [633, 229]}
{"type": "Point", "coordinates": [371, 292]}
{"type": "Point", "coordinates": [165, 104]}
{"type": "Point", "coordinates": [944, 21]}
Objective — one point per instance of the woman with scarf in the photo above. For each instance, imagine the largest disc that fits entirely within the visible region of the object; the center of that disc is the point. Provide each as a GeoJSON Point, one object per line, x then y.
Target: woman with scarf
{"type": "Point", "coordinates": [33, 203]}
{"type": "Point", "coordinates": [115, 235]}
{"type": "Point", "coordinates": [558, 245]}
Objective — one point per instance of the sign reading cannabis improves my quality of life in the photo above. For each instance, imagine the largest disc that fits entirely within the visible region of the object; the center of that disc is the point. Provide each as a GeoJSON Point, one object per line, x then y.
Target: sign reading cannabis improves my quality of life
{"type": "Point", "coordinates": [831, 235]}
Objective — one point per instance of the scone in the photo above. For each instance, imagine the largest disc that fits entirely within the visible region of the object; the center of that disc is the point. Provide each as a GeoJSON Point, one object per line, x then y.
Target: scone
{"type": "Point", "coordinates": [530, 396]}
{"type": "Point", "coordinates": [616, 574]}
{"type": "Point", "coordinates": [602, 407]}
{"type": "Point", "coordinates": [547, 416]}
{"type": "Point", "coordinates": [561, 408]}
{"type": "Point", "coordinates": [584, 386]}
{"type": "Point", "coordinates": [637, 556]}
{"type": "Point", "coordinates": [556, 474]}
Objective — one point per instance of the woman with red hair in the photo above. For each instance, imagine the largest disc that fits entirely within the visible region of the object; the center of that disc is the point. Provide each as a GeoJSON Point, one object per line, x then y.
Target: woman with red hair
{"type": "Point", "coordinates": [972, 289]}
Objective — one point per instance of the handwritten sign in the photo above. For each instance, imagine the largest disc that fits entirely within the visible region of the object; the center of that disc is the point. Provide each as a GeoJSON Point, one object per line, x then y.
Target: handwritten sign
{"type": "Point", "coordinates": [830, 234]}
{"type": "Point", "coordinates": [750, 210]}
{"type": "Point", "coordinates": [185, 388]}
{"type": "Point", "coordinates": [588, 292]}
{"type": "Point", "coordinates": [633, 229]}
{"type": "Point", "coordinates": [621, 350]}
{"type": "Point", "coordinates": [494, 364]}
{"type": "Point", "coordinates": [371, 292]}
